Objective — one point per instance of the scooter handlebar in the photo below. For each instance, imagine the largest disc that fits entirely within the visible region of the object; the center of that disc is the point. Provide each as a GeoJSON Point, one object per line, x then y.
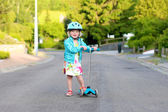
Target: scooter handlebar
{"type": "Point", "coordinates": [92, 49]}
{"type": "Point", "coordinates": [98, 49]}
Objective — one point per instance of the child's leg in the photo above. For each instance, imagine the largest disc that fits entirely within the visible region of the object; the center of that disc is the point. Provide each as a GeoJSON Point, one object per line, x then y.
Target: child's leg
{"type": "Point", "coordinates": [80, 80]}
{"type": "Point", "coordinates": [69, 82]}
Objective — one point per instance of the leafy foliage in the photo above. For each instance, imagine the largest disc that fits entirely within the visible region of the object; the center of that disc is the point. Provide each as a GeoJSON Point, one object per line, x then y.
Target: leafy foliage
{"type": "Point", "coordinates": [48, 43]}
{"type": "Point", "coordinates": [164, 39]}
{"type": "Point", "coordinates": [51, 34]}
{"type": "Point", "coordinates": [6, 39]}
{"type": "Point", "coordinates": [100, 13]}
{"type": "Point", "coordinates": [151, 19]}
{"type": "Point", "coordinates": [50, 16]}
{"type": "Point", "coordinates": [147, 19]}
{"type": "Point", "coordinates": [4, 55]}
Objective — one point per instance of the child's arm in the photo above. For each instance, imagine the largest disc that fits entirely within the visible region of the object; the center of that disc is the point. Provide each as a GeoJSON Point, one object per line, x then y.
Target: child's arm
{"type": "Point", "coordinates": [88, 47]}
{"type": "Point", "coordinates": [84, 44]}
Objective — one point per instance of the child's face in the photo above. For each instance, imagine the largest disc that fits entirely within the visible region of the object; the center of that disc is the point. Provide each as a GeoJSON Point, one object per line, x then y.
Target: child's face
{"type": "Point", "coordinates": [74, 33]}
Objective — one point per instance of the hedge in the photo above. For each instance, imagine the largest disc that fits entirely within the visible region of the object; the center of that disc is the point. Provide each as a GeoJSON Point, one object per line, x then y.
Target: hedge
{"type": "Point", "coordinates": [4, 55]}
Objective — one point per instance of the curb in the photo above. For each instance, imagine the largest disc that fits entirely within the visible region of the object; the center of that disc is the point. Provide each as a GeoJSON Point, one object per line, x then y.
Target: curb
{"type": "Point", "coordinates": [161, 69]}
{"type": "Point", "coordinates": [14, 68]}
{"type": "Point", "coordinates": [158, 68]}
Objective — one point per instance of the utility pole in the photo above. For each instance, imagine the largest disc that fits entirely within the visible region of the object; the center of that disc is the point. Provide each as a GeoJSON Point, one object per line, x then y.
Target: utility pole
{"type": "Point", "coordinates": [36, 30]}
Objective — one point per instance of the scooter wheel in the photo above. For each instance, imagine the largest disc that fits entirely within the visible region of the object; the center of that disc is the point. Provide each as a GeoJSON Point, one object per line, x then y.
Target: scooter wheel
{"type": "Point", "coordinates": [96, 92]}
{"type": "Point", "coordinates": [81, 92]}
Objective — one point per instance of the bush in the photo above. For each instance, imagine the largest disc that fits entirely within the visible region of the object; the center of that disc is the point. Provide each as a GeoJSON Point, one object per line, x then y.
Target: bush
{"type": "Point", "coordinates": [6, 39]}
{"type": "Point", "coordinates": [147, 41]}
{"type": "Point", "coordinates": [48, 43]}
{"type": "Point", "coordinates": [163, 40]}
{"type": "Point", "coordinates": [2, 35]}
{"type": "Point", "coordinates": [29, 48]}
{"type": "Point", "coordinates": [4, 55]}
{"type": "Point", "coordinates": [133, 42]}
{"type": "Point", "coordinates": [54, 30]}
{"type": "Point", "coordinates": [97, 33]}
{"type": "Point", "coordinates": [21, 32]}
{"type": "Point", "coordinates": [59, 45]}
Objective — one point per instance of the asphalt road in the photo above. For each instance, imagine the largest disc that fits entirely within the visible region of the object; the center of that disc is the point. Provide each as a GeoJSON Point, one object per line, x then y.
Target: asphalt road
{"type": "Point", "coordinates": [123, 86]}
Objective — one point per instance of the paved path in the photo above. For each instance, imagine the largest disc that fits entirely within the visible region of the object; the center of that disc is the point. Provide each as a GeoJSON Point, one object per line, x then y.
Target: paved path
{"type": "Point", "coordinates": [124, 86]}
{"type": "Point", "coordinates": [19, 60]}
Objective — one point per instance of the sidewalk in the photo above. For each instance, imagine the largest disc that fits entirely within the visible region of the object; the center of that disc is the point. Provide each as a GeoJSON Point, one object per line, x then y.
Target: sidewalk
{"type": "Point", "coordinates": [149, 61]}
{"type": "Point", "coordinates": [155, 63]}
{"type": "Point", "coordinates": [18, 61]}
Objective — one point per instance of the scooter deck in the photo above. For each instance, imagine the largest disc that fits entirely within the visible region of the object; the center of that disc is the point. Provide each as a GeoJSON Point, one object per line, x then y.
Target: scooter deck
{"type": "Point", "coordinates": [88, 91]}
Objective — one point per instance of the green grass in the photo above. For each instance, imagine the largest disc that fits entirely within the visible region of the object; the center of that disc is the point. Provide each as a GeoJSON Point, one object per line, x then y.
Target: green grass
{"type": "Point", "coordinates": [154, 61]}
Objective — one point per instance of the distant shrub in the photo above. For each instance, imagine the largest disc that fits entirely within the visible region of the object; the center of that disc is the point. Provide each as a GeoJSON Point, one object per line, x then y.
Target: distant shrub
{"type": "Point", "coordinates": [163, 40]}
{"type": "Point", "coordinates": [2, 35]}
{"type": "Point", "coordinates": [21, 32]}
{"type": "Point", "coordinates": [146, 41]}
{"type": "Point", "coordinates": [59, 45]}
{"type": "Point", "coordinates": [7, 39]}
{"type": "Point", "coordinates": [4, 55]}
{"type": "Point", "coordinates": [47, 43]}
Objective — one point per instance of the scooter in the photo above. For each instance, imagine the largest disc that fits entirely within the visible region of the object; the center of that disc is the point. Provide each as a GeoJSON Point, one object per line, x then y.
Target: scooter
{"type": "Point", "coordinates": [89, 90]}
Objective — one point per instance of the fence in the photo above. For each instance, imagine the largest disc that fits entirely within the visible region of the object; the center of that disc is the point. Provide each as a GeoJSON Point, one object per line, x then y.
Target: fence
{"type": "Point", "coordinates": [139, 49]}
{"type": "Point", "coordinates": [164, 52]}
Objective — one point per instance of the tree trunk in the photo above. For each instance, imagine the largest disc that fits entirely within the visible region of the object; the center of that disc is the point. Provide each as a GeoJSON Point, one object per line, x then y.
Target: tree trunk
{"type": "Point", "coordinates": [18, 10]}
{"type": "Point", "coordinates": [167, 52]}
{"type": "Point", "coordinates": [134, 49]}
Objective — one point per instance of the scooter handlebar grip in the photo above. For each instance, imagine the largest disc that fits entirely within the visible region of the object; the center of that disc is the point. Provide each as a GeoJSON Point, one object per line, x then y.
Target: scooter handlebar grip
{"type": "Point", "coordinates": [92, 49]}
{"type": "Point", "coordinates": [98, 49]}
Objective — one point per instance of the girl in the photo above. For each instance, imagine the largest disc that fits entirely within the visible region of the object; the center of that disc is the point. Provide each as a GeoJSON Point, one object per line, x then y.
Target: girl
{"type": "Point", "coordinates": [73, 55]}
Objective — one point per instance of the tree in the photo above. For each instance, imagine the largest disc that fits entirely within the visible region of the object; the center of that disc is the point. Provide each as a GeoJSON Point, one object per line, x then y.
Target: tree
{"type": "Point", "coordinates": [97, 33]}
{"type": "Point", "coordinates": [102, 12]}
{"type": "Point", "coordinates": [125, 23]}
{"type": "Point", "coordinates": [47, 19]}
{"type": "Point", "coordinates": [24, 10]}
{"type": "Point", "coordinates": [15, 18]}
{"type": "Point", "coordinates": [149, 27]}
{"type": "Point", "coordinates": [152, 8]}
{"type": "Point", "coordinates": [150, 22]}
{"type": "Point", "coordinates": [5, 8]}
{"type": "Point", "coordinates": [54, 30]}
{"type": "Point", "coordinates": [163, 40]}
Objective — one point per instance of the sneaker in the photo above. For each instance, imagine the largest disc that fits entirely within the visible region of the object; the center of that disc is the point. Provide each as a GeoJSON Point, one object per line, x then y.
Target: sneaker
{"type": "Point", "coordinates": [69, 93]}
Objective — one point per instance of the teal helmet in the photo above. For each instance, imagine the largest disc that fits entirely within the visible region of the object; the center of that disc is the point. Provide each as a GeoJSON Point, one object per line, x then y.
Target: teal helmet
{"type": "Point", "coordinates": [74, 26]}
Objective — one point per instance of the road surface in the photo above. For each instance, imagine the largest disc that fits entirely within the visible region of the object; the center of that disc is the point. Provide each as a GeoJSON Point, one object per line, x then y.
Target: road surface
{"type": "Point", "coordinates": [123, 86]}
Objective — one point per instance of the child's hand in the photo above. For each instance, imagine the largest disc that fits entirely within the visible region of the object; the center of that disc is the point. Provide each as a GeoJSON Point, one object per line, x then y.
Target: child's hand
{"type": "Point", "coordinates": [95, 48]}
{"type": "Point", "coordinates": [84, 48]}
